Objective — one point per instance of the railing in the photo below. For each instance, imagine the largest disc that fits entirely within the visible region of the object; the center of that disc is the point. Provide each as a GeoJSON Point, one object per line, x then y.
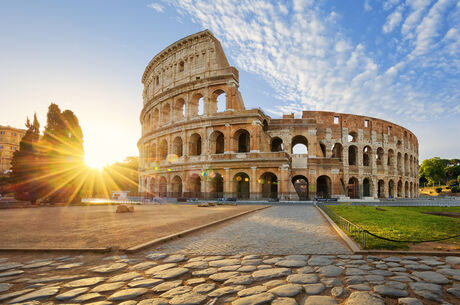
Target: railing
{"type": "Point", "coordinates": [356, 232]}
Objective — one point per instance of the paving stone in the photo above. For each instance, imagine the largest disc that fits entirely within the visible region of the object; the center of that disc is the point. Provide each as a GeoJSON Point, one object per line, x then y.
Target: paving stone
{"type": "Point", "coordinates": [246, 268]}
{"type": "Point", "coordinates": [354, 271]}
{"type": "Point", "coordinates": [109, 268]}
{"type": "Point", "coordinates": [426, 290]}
{"type": "Point", "coordinates": [37, 265]}
{"type": "Point", "coordinates": [9, 266]}
{"type": "Point", "coordinates": [157, 301]}
{"type": "Point", "coordinates": [287, 290]}
{"type": "Point", "coordinates": [320, 300]}
{"type": "Point", "coordinates": [167, 286]}
{"type": "Point", "coordinates": [5, 286]}
{"type": "Point", "coordinates": [392, 259]}
{"type": "Point", "coordinates": [11, 273]}
{"type": "Point", "coordinates": [356, 279]}
{"type": "Point", "coordinates": [228, 268]}
{"type": "Point", "coordinates": [205, 272]}
{"type": "Point", "coordinates": [36, 295]}
{"type": "Point", "coordinates": [197, 265]}
{"type": "Point", "coordinates": [308, 278]}
{"type": "Point", "coordinates": [450, 271]}
{"type": "Point", "coordinates": [401, 278]}
{"type": "Point", "coordinates": [306, 269]}
{"type": "Point", "coordinates": [331, 282]}
{"type": "Point", "coordinates": [224, 291]}
{"type": "Point", "coordinates": [330, 271]}
{"type": "Point", "coordinates": [420, 267]}
{"type": "Point", "coordinates": [284, 301]}
{"type": "Point", "coordinates": [224, 262]}
{"type": "Point", "coordinates": [145, 283]}
{"type": "Point", "coordinates": [261, 275]}
{"type": "Point", "coordinates": [105, 303]}
{"type": "Point", "coordinates": [57, 278]}
{"type": "Point", "coordinates": [204, 288]}
{"type": "Point", "coordinates": [71, 294]}
{"type": "Point", "coordinates": [188, 299]}
{"type": "Point", "coordinates": [194, 281]}
{"type": "Point", "coordinates": [360, 287]}
{"type": "Point", "coordinates": [273, 260]}
{"type": "Point", "coordinates": [69, 266]}
{"type": "Point", "coordinates": [453, 260]}
{"type": "Point", "coordinates": [454, 291]}
{"type": "Point", "coordinates": [126, 294]}
{"type": "Point", "coordinates": [252, 256]}
{"type": "Point", "coordinates": [108, 287]}
{"type": "Point", "coordinates": [363, 298]}
{"type": "Point", "coordinates": [14, 294]}
{"type": "Point", "coordinates": [313, 289]}
{"type": "Point", "coordinates": [176, 291]}
{"type": "Point", "coordinates": [251, 262]}
{"type": "Point", "coordinates": [213, 258]}
{"type": "Point", "coordinates": [274, 283]}
{"type": "Point", "coordinates": [381, 272]}
{"type": "Point", "coordinates": [338, 292]}
{"type": "Point", "coordinates": [397, 269]}
{"type": "Point", "coordinates": [114, 257]}
{"type": "Point", "coordinates": [170, 273]}
{"type": "Point", "coordinates": [291, 263]}
{"type": "Point", "coordinates": [85, 282]}
{"type": "Point", "coordinates": [223, 276]}
{"type": "Point", "coordinates": [124, 277]}
{"type": "Point", "coordinates": [409, 301]}
{"type": "Point", "coordinates": [87, 297]}
{"type": "Point", "coordinates": [260, 267]}
{"type": "Point", "coordinates": [432, 277]}
{"type": "Point", "coordinates": [297, 257]}
{"type": "Point", "coordinates": [375, 279]}
{"type": "Point", "coordinates": [387, 291]}
{"type": "Point", "coordinates": [397, 285]}
{"type": "Point", "coordinates": [239, 280]}
{"type": "Point", "coordinates": [320, 261]}
{"type": "Point", "coordinates": [156, 256]}
{"type": "Point", "coordinates": [143, 265]}
{"type": "Point", "coordinates": [256, 299]}
{"type": "Point", "coordinates": [251, 291]}
{"type": "Point", "coordinates": [160, 268]}
{"type": "Point", "coordinates": [176, 258]}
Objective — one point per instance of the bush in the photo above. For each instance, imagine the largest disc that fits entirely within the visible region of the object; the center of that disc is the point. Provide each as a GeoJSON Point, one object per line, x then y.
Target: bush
{"type": "Point", "coordinates": [455, 189]}
{"type": "Point", "coordinates": [438, 190]}
{"type": "Point", "coordinates": [451, 183]}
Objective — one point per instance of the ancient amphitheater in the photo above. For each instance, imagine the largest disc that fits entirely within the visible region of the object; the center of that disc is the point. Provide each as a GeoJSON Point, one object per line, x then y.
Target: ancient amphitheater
{"type": "Point", "coordinates": [199, 140]}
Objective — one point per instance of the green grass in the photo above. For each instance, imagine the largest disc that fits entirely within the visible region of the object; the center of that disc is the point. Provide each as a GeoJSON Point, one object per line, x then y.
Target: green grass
{"type": "Point", "coordinates": [401, 223]}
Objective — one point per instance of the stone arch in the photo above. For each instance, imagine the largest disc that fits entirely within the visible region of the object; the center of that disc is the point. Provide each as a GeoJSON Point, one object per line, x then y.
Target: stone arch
{"type": "Point", "coordinates": [406, 164]}
{"type": "Point", "coordinates": [367, 187]}
{"type": "Point", "coordinates": [323, 187]}
{"type": "Point", "coordinates": [195, 185]}
{"type": "Point", "coordinates": [176, 187]}
{"type": "Point", "coordinates": [153, 153]}
{"type": "Point", "coordinates": [379, 156]}
{"type": "Point", "coordinates": [177, 148]}
{"type": "Point", "coordinates": [299, 145]}
{"type": "Point", "coordinates": [196, 105]}
{"type": "Point", "coordinates": [352, 136]}
{"type": "Point", "coordinates": [353, 188]}
{"type": "Point", "coordinates": [216, 185]}
{"type": "Point", "coordinates": [241, 139]}
{"type": "Point", "coordinates": [152, 186]}
{"type": "Point", "coordinates": [163, 150]}
{"type": "Point", "coordinates": [217, 142]}
{"type": "Point", "coordinates": [155, 118]}
{"type": "Point", "coordinates": [166, 113]}
{"type": "Point", "coordinates": [179, 109]}
{"type": "Point", "coordinates": [265, 126]}
{"type": "Point", "coordinates": [367, 152]}
{"type": "Point", "coordinates": [381, 189]}
{"type": "Point", "coordinates": [400, 189]}
{"type": "Point", "coordinates": [163, 187]}
{"type": "Point", "coordinates": [352, 155]}
{"type": "Point", "coordinates": [390, 160]}
{"type": "Point", "coordinates": [337, 151]}
{"type": "Point", "coordinates": [411, 190]}
{"type": "Point", "coordinates": [399, 163]}
{"type": "Point", "coordinates": [268, 185]}
{"type": "Point", "coordinates": [218, 101]}
{"type": "Point", "coordinates": [406, 189]}
{"type": "Point", "coordinates": [195, 145]}
{"type": "Point", "coordinates": [301, 186]}
{"type": "Point", "coordinates": [242, 185]}
{"type": "Point", "coordinates": [322, 146]}
{"type": "Point", "coordinates": [276, 144]}
{"type": "Point", "coordinates": [399, 144]}
{"type": "Point", "coordinates": [391, 189]}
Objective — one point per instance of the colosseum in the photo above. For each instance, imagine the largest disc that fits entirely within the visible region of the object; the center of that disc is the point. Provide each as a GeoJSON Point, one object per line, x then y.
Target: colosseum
{"type": "Point", "coordinates": [199, 141]}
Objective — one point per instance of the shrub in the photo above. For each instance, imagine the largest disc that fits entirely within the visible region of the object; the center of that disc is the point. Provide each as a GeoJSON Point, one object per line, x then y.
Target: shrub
{"type": "Point", "coordinates": [438, 190]}
{"type": "Point", "coordinates": [451, 183]}
{"type": "Point", "coordinates": [455, 189]}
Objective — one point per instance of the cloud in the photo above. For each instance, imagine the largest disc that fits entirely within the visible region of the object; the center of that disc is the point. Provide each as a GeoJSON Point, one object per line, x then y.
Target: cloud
{"type": "Point", "coordinates": [157, 7]}
{"type": "Point", "coordinates": [367, 6]}
{"type": "Point", "coordinates": [393, 20]}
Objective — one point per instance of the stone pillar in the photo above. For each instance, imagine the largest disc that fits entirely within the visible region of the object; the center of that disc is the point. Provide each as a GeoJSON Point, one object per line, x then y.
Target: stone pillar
{"type": "Point", "coordinates": [375, 186]}
{"type": "Point", "coordinates": [386, 187]}
{"type": "Point", "coordinates": [255, 137]}
{"type": "Point", "coordinates": [227, 183]}
{"type": "Point", "coordinates": [228, 139]}
{"type": "Point", "coordinates": [253, 184]}
{"type": "Point", "coordinates": [204, 188]}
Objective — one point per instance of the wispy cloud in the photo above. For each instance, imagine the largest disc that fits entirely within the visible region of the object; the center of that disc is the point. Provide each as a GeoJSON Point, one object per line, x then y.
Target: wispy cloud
{"type": "Point", "coordinates": [393, 20]}
{"type": "Point", "coordinates": [157, 7]}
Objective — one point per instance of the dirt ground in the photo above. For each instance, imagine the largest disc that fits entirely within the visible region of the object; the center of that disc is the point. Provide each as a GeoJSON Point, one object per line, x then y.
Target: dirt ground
{"type": "Point", "coordinates": [100, 226]}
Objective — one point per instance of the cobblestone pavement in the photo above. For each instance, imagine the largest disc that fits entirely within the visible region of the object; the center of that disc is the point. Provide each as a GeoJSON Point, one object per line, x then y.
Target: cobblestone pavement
{"type": "Point", "coordinates": [279, 230]}
{"type": "Point", "coordinates": [157, 278]}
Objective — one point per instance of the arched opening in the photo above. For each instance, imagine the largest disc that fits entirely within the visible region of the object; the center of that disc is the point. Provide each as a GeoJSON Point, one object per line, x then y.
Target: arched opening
{"type": "Point", "coordinates": [265, 126]}
{"type": "Point", "coordinates": [166, 113]}
{"type": "Point", "coordinates": [299, 145]}
{"type": "Point", "coordinates": [163, 187]}
{"type": "Point", "coordinates": [176, 187]}
{"type": "Point", "coordinates": [379, 156]}
{"type": "Point", "coordinates": [323, 187]}
{"type": "Point", "coordinates": [406, 164]}
{"type": "Point", "coordinates": [195, 145]}
{"type": "Point", "coordinates": [179, 109]}
{"type": "Point", "coordinates": [352, 154]}
{"type": "Point", "coordinates": [391, 189]}
{"type": "Point", "coordinates": [366, 187]}
{"type": "Point", "coordinates": [195, 186]}
{"type": "Point", "coordinates": [352, 137]}
{"type": "Point", "coordinates": [323, 149]}
{"type": "Point", "coordinates": [400, 189]}
{"type": "Point", "coordinates": [181, 66]}
{"type": "Point", "coordinates": [155, 118]}
{"type": "Point", "coordinates": [381, 189]}
{"type": "Point", "coordinates": [411, 190]}
{"type": "Point", "coordinates": [194, 105]}
{"type": "Point", "coordinates": [337, 151]}
{"type": "Point", "coordinates": [218, 101]}
{"type": "Point", "coordinates": [217, 185]}
{"type": "Point", "coordinates": [366, 156]}
{"type": "Point", "coordinates": [269, 185]}
{"type": "Point", "coordinates": [201, 105]}
{"type": "Point", "coordinates": [406, 189]}
{"type": "Point", "coordinates": [152, 185]}
{"type": "Point", "coordinates": [217, 142]}
{"type": "Point", "coordinates": [153, 153]}
{"type": "Point", "coordinates": [242, 185]}
{"type": "Point", "coordinates": [301, 186]}
{"type": "Point", "coordinates": [353, 188]}
{"type": "Point", "coordinates": [390, 160]}
{"type": "Point", "coordinates": [399, 163]}
{"type": "Point", "coordinates": [177, 148]}
{"type": "Point", "coordinates": [398, 144]}
{"type": "Point", "coordinates": [242, 140]}
{"type": "Point", "coordinates": [163, 149]}
{"type": "Point", "coordinates": [276, 145]}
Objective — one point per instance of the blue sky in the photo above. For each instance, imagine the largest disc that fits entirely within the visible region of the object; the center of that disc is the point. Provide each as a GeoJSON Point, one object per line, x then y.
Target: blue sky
{"type": "Point", "coordinates": [396, 60]}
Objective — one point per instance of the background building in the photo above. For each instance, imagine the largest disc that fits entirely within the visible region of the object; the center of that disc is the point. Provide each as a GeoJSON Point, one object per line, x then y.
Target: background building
{"type": "Point", "coordinates": [9, 143]}
{"type": "Point", "coordinates": [199, 140]}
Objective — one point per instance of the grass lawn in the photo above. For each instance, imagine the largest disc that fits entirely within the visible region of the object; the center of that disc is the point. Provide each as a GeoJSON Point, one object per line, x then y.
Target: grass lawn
{"type": "Point", "coordinates": [401, 223]}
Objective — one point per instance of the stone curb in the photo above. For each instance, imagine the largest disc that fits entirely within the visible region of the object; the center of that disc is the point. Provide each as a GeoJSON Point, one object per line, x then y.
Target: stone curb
{"type": "Point", "coordinates": [348, 241]}
{"type": "Point", "coordinates": [182, 233]}
{"type": "Point", "coordinates": [95, 250]}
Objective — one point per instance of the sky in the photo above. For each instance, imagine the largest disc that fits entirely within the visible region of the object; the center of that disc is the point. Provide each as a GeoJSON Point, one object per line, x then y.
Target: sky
{"type": "Point", "coordinates": [397, 60]}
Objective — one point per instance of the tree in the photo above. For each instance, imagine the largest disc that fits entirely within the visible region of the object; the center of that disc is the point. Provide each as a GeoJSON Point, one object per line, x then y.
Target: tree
{"type": "Point", "coordinates": [433, 170]}
{"type": "Point", "coordinates": [24, 164]}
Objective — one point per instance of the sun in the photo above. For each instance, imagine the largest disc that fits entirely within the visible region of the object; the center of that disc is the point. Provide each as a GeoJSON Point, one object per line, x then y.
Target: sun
{"type": "Point", "coordinates": [95, 163]}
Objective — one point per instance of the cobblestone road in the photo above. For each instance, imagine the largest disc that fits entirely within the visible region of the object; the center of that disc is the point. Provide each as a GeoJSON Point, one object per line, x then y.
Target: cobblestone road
{"type": "Point", "coordinates": [281, 230]}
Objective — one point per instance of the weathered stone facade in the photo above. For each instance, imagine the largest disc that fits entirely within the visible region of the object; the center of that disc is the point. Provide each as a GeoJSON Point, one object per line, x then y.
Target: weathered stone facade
{"type": "Point", "coordinates": [9, 143]}
{"type": "Point", "coordinates": [196, 144]}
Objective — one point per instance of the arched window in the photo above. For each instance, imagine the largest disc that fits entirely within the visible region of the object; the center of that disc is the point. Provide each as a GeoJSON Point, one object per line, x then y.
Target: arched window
{"type": "Point", "coordinates": [390, 160]}
{"type": "Point", "coordinates": [195, 145]}
{"type": "Point", "coordinates": [242, 185]}
{"type": "Point", "coordinates": [217, 142]}
{"type": "Point", "coordinates": [179, 109]}
{"type": "Point", "coordinates": [242, 141]}
{"type": "Point", "coordinates": [366, 156]}
{"type": "Point", "coordinates": [379, 156]}
{"type": "Point", "coordinates": [166, 113]}
{"type": "Point", "coordinates": [301, 186]}
{"type": "Point", "coordinates": [177, 146]}
{"type": "Point", "coordinates": [181, 66]}
{"type": "Point", "coordinates": [155, 118]}
{"type": "Point", "coordinates": [277, 144]}
{"type": "Point", "coordinates": [164, 150]}
{"type": "Point", "coordinates": [337, 151]}
{"type": "Point", "coordinates": [299, 145]}
{"type": "Point", "coordinates": [352, 154]}
{"type": "Point", "coordinates": [194, 107]}
{"type": "Point", "coordinates": [366, 187]}
{"type": "Point", "coordinates": [353, 188]}
{"type": "Point", "coordinates": [195, 186]}
{"type": "Point", "coordinates": [323, 149]}
{"type": "Point", "coordinates": [323, 187]}
{"type": "Point", "coordinates": [352, 137]}
{"type": "Point", "coordinates": [176, 187]}
{"type": "Point", "coordinates": [269, 185]}
{"type": "Point", "coordinates": [218, 101]}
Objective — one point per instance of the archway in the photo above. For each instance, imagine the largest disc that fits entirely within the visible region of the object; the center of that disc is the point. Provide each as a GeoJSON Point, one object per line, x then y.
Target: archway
{"type": "Point", "coordinates": [323, 187]}
{"type": "Point", "coordinates": [195, 186]}
{"type": "Point", "coordinates": [391, 189]}
{"type": "Point", "coordinates": [366, 187]}
{"type": "Point", "coordinates": [179, 109]}
{"type": "Point", "coordinates": [177, 146]}
{"type": "Point", "coordinates": [155, 118]}
{"type": "Point", "coordinates": [379, 156]}
{"type": "Point", "coordinates": [381, 189]}
{"type": "Point", "coordinates": [337, 151]}
{"type": "Point", "coordinates": [176, 187]}
{"type": "Point", "coordinates": [242, 141]}
{"type": "Point", "coordinates": [277, 144]}
{"type": "Point", "coordinates": [299, 145]}
{"type": "Point", "coordinates": [163, 187]}
{"type": "Point", "coordinates": [216, 185]}
{"type": "Point", "coordinates": [353, 188]}
{"type": "Point", "coordinates": [352, 136]}
{"type": "Point", "coordinates": [242, 185]}
{"type": "Point", "coordinates": [269, 185]}
{"type": "Point", "coordinates": [352, 154]}
{"type": "Point", "coordinates": [366, 156]}
{"type": "Point", "coordinates": [166, 113]}
{"type": "Point", "coordinates": [195, 145]}
{"type": "Point", "coordinates": [163, 149]}
{"type": "Point", "coordinates": [218, 101]}
{"type": "Point", "coordinates": [152, 186]}
{"type": "Point", "coordinates": [216, 142]}
{"type": "Point", "coordinates": [390, 161]}
{"type": "Point", "coordinates": [301, 186]}
{"type": "Point", "coordinates": [406, 189]}
{"type": "Point", "coordinates": [400, 189]}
